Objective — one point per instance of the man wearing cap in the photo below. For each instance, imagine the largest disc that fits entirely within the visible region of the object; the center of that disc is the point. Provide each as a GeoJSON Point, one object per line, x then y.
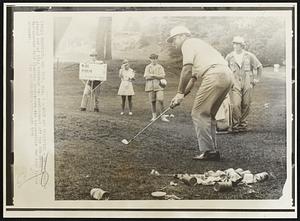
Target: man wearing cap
{"type": "Point", "coordinates": [243, 65]}
{"type": "Point", "coordinates": [154, 74]}
{"type": "Point", "coordinates": [91, 86]}
{"type": "Point", "coordinates": [201, 61]}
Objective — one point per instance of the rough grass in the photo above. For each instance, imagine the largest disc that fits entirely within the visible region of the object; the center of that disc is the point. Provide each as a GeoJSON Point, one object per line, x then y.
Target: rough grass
{"type": "Point", "coordinates": [89, 153]}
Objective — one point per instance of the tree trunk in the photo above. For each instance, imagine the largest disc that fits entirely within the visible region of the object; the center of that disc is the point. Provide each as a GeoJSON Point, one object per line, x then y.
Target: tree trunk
{"type": "Point", "coordinates": [100, 39]}
{"type": "Point", "coordinates": [103, 41]}
{"type": "Point", "coordinates": [108, 54]}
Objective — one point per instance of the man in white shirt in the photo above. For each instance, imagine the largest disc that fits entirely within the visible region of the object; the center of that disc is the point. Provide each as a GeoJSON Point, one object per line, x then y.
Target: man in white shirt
{"type": "Point", "coordinates": [244, 65]}
{"type": "Point", "coordinates": [201, 61]}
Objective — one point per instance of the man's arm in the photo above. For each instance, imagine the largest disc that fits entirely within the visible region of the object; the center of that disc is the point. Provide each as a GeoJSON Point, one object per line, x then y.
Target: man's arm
{"type": "Point", "coordinates": [161, 74]}
{"type": "Point", "coordinates": [147, 75]}
{"type": "Point", "coordinates": [258, 67]}
{"type": "Point", "coordinates": [185, 76]}
{"type": "Point", "coordinates": [186, 83]}
{"type": "Point", "coordinates": [259, 72]}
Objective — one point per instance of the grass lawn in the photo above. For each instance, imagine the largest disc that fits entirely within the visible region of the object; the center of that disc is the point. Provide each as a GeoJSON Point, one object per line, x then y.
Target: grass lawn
{"type": "Point", "coordinates": [89, 153]}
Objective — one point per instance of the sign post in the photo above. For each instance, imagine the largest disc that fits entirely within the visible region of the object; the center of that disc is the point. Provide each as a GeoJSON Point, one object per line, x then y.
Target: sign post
{"type": "Point", "coordinates": [92, 72]}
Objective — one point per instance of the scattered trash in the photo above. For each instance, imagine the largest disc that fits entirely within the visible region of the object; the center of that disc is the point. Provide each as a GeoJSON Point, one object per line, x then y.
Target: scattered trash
{"type": "Point", "coordinates": [158, 194]}
{"type": "Point", "coordinates": [173, 183]}
{"type": "Point", "coordinates": [245, 172]}
{"type": "Point", "coordinates": [209, 173]}
{"type": "Point", "coordinates": [221, 180]}
{"type": "Point", "coordinates": [223, 186]}
{"type": "Point", "coordinates": [172, 115]}
{"type": "Point", "coordinates": [248, 178]}
{"type": "Point", "coordinates": [87, 176]}
{"type": "Point", "coordinates": [210, 181]}
{"type": "Point", "coordinates": [187, 179]}
{"type": "Point", "coordinates": [99, 194]}
{"type": "Point", "coordinates": [154, 172]}
{"type": "Point", "coordinates": [239, 170]}
{"type": "Point", "coordinates": [251, 191]}
{"type": "Point", "coordinates": [260, 177]}
{"type": "Point", "coordinates": [233, 176]}
{"type": "Point", "coordinates": [266, 105]}
{"type": "Point", "coordinates": [161, 189]}
{"type": "Point", "coordinates": [220, 173]}
{"type": "Point", "coordinates": [172, 197]}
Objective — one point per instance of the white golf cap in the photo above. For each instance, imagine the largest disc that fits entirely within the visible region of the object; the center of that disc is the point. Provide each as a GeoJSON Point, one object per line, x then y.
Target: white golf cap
{"type": "Point", "coordinates": [238, 40]}
{"type": "Point", "coordinates": [177, 31]}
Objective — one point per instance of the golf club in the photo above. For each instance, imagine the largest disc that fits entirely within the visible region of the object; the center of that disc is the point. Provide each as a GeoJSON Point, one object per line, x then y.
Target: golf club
{"type": "Point", "coordinates": [188, 90]}
{"type": "Point", "coordinates": [126, 142]}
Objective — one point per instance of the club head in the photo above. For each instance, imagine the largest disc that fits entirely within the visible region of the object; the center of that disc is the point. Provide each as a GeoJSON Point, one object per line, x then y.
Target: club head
{"type": "Point", "coordinates": [124, 141]}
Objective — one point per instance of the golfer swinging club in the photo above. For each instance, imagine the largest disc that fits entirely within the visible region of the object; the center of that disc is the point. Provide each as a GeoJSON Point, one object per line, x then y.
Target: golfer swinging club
{"type": "Point", "coordinates": [201, 61]}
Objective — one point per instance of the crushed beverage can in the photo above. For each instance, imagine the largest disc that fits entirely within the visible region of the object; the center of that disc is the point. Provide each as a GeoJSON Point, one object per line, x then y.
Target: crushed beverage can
{"type": "Point", "coordinates": [248, 178]}
{"type": "Point", "coordinates": [239, 170]}
{"type": "Point", "coordinates": [187, 179]}
{"type": "Point", "coordinates": [260, 177]}
{"type": "Point", "coordinates": [99, 194]}
{"type": "Point", "coordinates": [223, 186]}
{"type": "Point", "coordinates": [245, 172]}
{"type": "Point", "coordinates": [233, 176]}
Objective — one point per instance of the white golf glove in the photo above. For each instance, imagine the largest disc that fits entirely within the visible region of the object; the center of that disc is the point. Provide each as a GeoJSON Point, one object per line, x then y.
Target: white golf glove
{"type": "Point", "coordinates": [177, 100]}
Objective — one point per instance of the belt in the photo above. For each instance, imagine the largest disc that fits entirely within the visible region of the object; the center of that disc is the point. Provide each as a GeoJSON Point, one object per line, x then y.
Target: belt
{"type": "Point", "coordinates": [213, 66]}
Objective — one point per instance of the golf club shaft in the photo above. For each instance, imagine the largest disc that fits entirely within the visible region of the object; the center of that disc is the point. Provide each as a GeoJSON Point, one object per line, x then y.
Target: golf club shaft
{"type": "Point", "coordinates": [188, 90]}
{"type": "Point", "coordinates": [150, 124]}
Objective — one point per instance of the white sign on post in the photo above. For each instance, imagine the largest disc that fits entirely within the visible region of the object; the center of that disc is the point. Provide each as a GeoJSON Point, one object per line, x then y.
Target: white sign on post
{"type": "Point", "coordinates": [89, 71]}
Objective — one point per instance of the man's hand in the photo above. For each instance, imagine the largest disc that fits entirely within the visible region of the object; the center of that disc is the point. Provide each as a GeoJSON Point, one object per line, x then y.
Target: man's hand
{"type": "Point", "coordinates": [177, 100]}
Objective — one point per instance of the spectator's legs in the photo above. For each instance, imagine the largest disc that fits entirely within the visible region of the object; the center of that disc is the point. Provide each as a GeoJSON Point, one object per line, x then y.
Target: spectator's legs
{"type": "Point", "coordinates": [130, 103]}
{"type": "Point", "coordinates": [123, 103]}
{"type": "Point", "coordinates": [85, 96]}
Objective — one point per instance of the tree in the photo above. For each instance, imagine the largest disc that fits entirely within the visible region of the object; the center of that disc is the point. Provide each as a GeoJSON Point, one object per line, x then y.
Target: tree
{"type": "Point", "coordinates": [103, 38]}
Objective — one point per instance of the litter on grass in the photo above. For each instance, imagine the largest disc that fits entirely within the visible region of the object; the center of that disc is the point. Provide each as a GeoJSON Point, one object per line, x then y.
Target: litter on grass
{"type": "Point", "coordinates": [221, 180]}
{"type": "Point", "coordinates": [154, 172]}
{"type": "Point", "coordinates": [99, 194]}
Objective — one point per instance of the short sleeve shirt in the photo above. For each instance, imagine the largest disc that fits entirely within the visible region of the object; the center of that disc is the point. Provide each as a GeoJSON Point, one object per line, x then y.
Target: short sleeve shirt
{"type": "Point", "coordinates": [248, 64]}
{"type": "Point", "coordinates": [201, 55]}
{"type": "Point", "coordinates": [126, 75]}
{"type": "Point", "coordinates": [154, 70]}
{"type": "Point", "coordinates": [157, 71]}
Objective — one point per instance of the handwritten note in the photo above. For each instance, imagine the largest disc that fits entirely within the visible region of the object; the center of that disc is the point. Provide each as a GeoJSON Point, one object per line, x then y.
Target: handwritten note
{"type": "Point", "coordinates": [34, 146]}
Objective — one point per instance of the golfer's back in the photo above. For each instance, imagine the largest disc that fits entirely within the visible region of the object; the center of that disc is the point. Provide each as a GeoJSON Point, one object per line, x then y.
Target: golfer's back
{"type": "Point", "coordinates": [202, 55]}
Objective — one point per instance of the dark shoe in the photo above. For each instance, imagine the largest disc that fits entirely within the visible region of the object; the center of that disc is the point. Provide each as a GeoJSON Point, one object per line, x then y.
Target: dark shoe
{"type": "Point", "coordinates": [82, 109]}
{"type": "Point", "coordinates": [242, 129]}
{"type": "Point", "coordinates": [238, 129]}
{"type": "Point", "coordinates": [96, 110]}
{"type": "Point", "coordinates": [213, 156]}
{"type": "Point", "coordinates": [222, 131]}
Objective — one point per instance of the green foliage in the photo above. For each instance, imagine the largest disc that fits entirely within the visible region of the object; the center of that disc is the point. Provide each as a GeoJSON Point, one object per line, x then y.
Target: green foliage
{"type": "Point", "coordinates": [264, 36]}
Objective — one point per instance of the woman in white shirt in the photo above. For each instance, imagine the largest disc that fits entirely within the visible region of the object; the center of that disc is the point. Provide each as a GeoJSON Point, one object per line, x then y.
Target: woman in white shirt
{"type": "Point", "coordinates": [126, 88]}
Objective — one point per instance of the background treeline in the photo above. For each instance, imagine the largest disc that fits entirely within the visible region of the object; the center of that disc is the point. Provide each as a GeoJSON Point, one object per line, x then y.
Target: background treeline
{"type": "Point", "coordinates": [264, 36]}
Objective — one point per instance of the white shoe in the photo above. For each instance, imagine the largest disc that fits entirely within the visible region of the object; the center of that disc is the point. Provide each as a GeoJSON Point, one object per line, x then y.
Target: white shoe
{"type": "Point", "coordinates": [164, 118]}
{"type": "Point", "coordinates": [122, 113]}
{"type": "Point", "coordinates": [130, 113]}
{"type": "Point", "coordinates": [153, 117]}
